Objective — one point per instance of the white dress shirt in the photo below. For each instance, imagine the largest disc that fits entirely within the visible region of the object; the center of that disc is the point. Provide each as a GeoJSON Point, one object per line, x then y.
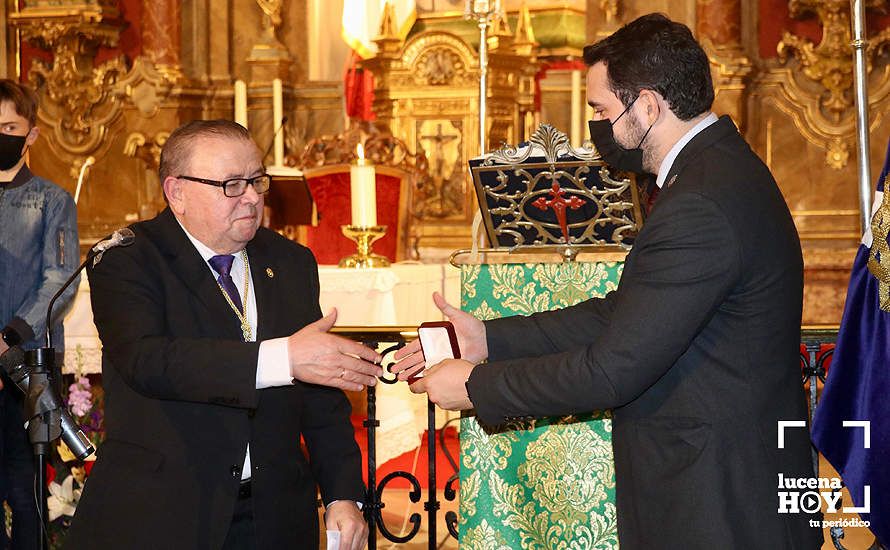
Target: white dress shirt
{"type": "Point", "coordinates": [669, 159]}
{"type": "Point", "coordinates": [273, 363]}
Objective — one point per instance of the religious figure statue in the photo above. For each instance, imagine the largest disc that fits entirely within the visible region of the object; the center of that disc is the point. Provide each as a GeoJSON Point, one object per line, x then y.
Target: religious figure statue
{"type": "Point", "coordinates": [271, 19]}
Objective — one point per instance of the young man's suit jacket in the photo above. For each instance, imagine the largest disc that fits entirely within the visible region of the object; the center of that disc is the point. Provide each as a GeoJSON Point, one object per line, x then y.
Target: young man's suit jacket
{"type": "Point", "coordinates": [181, 404]}
{"type": "Point", "coordinates": [696, 352]}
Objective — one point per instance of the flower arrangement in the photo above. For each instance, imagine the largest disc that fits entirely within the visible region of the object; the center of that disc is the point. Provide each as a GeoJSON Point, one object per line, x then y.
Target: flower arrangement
{"type": "Point", "coordinates": [85, 402]}
{"type": "Point", "coordinates": [86, 406]}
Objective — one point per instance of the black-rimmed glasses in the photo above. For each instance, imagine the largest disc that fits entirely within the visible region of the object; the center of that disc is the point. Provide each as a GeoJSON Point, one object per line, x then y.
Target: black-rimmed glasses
{"type": "Point", "coordinates": [236, 187]}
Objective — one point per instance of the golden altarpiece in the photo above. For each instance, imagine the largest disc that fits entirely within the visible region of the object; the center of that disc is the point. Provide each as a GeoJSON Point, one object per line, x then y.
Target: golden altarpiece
{"type": "Point", "coordinates": [116, 76]}
{"type": "Point", "coordinates": [427, 93]}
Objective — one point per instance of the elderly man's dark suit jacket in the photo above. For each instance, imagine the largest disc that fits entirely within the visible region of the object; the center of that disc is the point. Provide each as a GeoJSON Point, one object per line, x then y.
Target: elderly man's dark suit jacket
{"type": "Point", "coordinates": [181, 404]}
{"type": "Point", "coordinates": [696, 352]}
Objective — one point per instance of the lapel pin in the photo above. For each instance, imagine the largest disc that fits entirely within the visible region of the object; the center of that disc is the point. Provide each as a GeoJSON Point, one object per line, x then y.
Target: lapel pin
{"type": "Point", "coordinates": [269, 272]}
{"type": "Point", "coordinates": [673, 179]}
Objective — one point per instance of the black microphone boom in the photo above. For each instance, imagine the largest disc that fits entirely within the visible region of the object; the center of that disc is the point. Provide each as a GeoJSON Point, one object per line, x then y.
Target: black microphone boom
{"type": "Point", "coordinates": [47, 417]}
{"type": "Point", "coordinates": [122, 237]}
{"type": "Point", "coordinates": [278, 131]}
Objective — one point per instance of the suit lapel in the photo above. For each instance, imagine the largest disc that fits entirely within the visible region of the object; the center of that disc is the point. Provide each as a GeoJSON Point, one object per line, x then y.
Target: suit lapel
{"type": "Point", "coordinates": [187, 264]}
{"type": "Point", "coordinates": [706, 138]}
{"type": "Point", "coordinates": [262, 272]}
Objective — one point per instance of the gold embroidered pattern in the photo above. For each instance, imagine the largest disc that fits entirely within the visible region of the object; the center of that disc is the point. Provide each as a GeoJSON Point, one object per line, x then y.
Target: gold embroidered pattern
{"type": "Point", "coordinates": [537, 483]}
{"type": "Point", "coordinates": [484, 312]}
{"type": "Point", "coordinates": [569, 467]}
{"type": "Point", "coordinates": [516, 294]}
{"type": "Point", "coordinates": [879, 261]}
{"type": "Point", "coordinates": [571, 283]}
{"type": "Point", "coordinates": [482, 451]}
{"type": "Point", "coordinates": [484, 537]}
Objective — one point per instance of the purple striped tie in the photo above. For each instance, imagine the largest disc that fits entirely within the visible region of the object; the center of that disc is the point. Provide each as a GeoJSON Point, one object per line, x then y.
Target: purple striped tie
{"type": "Point", "coordinates": [223, 265]}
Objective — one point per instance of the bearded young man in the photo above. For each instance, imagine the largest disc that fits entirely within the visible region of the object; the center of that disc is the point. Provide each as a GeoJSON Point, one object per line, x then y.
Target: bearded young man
{"type": "Point", "coordinates": [696, 351]}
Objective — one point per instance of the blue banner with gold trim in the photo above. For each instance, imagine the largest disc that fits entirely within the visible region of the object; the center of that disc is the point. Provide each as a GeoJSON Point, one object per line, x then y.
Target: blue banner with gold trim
{"type": "Point", "coordinates": [852, 423]}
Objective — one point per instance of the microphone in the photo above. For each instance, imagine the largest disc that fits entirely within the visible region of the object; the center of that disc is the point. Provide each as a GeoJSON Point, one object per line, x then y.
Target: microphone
{"type": "Point", "coordinates": [122, 237]}
{"type": "Point", "coordinates": [13, 362]}
{"type": "Point", "coordinates": [278, 131]}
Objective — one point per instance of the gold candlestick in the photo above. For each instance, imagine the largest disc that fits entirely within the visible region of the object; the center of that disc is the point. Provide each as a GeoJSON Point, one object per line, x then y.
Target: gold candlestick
{"type": "Point", "coordinates": [364, 238]}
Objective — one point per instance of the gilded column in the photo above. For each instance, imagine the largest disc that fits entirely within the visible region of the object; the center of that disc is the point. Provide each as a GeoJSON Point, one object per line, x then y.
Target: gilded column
{"type": "Point", "coordinates": [719, 28]}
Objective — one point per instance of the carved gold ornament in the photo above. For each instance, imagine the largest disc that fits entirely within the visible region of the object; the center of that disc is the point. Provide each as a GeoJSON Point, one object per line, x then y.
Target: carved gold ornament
{"type": "Point", "coordinates": [147, 85]}
{"type": "Point", "coordinates": [438, 66]}
{"type": "Point", "coordinates": [76, 99]}
{"type": "Point", "coordinates": [821, 103]}
{"type": "Point", "coordinates": [437, 59]}
{"type": "Point", "coordinates": [879, 260]}
{"type": "Point", "coordinates": [148, 151]}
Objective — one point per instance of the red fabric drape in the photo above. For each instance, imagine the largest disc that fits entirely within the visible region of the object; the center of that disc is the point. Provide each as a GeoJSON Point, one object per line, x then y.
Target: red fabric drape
{"type": "Point", "coordinates": [358, 88]}
{"type": "Point", "coordinates": [332, 199]}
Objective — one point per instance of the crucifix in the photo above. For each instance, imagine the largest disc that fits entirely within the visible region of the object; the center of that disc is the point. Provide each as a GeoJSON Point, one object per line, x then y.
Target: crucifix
{"type": "Point", "coordinates": [439, 139]}
{"type": "Point", "coordinates": [559, 204]}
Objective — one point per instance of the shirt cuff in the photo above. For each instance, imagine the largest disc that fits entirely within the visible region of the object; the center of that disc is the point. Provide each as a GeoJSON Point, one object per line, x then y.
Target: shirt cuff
{"type": "Point", "coordinates": [273, 364]}
{"type": "Point", "coordinates": [357, 503]}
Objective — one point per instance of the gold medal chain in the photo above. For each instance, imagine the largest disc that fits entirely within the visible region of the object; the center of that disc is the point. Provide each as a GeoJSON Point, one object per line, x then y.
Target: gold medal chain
{"type": "Point", "coordinates": [246, 331]}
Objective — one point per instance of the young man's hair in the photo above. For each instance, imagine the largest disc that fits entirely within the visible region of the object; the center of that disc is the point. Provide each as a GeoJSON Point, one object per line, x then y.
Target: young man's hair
{"type": "Point", "coordinates": [177, 150]}
{"type": "Point", "coordinates": [23, 99]}
{"type": "Point", "coordinates": [655, 53]}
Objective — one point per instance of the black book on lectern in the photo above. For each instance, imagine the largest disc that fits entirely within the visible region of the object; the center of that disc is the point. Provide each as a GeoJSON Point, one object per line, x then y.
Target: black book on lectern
{"type": "Point", "coordinates": [547, 195]}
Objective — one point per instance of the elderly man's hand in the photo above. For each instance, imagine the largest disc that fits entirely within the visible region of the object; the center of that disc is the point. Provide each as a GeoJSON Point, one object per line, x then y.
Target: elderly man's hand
{"type": "Point", "coordinates": [470, 339]}
{"type": "Point", "coordinates": [317, 357]}
{"type": "Point", "coordinates": [445, 384]}
{"type": "Point", "coordinates": [345, 517]}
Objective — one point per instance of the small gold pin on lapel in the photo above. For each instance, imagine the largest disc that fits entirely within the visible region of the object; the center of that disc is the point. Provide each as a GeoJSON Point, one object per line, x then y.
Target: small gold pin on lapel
{"type": "Point", "coordinates": [673, 179]}
{"type": "Point", "coordinates": [269, 272]}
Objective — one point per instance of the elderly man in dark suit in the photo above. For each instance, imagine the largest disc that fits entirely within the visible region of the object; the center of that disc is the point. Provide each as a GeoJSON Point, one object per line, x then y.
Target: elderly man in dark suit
{"type": "Point", "coordinates": [696, 351]}
{"type": "Point", "coordinates": [216, 361]}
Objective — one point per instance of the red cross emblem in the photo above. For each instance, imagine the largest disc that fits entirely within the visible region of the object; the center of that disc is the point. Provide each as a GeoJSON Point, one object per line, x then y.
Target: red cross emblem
{"type": "Point", "coordinates": [559, 204]}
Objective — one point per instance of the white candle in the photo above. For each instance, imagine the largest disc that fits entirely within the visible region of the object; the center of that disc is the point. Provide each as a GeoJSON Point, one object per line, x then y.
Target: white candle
{"type": "Point", "coordinates": [362, 186]}
{"type": "Point", "coordinates": [241, 102]}
{"type": "Point", "coordinates": [277, 115]}
{"type": "Point", "coordinates": [577, 123]}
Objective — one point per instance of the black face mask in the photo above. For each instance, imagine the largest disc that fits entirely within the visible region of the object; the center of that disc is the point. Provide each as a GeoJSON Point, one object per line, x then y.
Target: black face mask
{"type": "Point", "coordinates": [11, 149]}
{"type": "Point", "coordinates": [616, 156]}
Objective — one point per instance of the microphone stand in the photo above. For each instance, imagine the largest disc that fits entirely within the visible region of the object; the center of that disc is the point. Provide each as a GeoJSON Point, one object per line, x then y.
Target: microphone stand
{"type": "Point", "coordinates": [45, 413]}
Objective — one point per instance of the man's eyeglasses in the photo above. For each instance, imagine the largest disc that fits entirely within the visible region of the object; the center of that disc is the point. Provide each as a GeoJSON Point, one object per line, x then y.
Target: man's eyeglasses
{"type": "Point", "coordinates": [236, 187]}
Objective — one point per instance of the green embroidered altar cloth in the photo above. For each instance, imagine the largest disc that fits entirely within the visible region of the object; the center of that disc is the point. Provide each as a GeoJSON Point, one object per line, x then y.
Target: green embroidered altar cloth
{"type": "Point", "coordinates": [547, 483]}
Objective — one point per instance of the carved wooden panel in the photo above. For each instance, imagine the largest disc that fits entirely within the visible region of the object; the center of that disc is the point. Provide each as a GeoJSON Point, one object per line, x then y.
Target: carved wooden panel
{"type": "Point", "coordinates": [427, 94]}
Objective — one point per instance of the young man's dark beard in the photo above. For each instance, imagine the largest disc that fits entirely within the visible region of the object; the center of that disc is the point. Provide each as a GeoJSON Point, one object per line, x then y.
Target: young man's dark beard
{"type": "Point", "coordinates": [634, 138]}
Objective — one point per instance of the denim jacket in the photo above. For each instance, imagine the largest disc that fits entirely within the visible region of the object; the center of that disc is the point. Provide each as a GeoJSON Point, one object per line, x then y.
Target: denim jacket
{"type": "Point", "coordinates": [38, 252]}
